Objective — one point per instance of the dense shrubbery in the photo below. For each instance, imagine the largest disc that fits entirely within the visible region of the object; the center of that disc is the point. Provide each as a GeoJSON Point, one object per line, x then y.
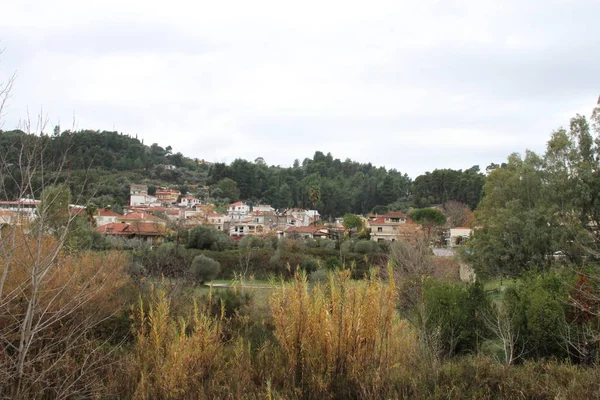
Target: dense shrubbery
{"type": "Point", "coordinates": [324, 337]}
{"type": "Point", "coordinates": [204, 269]}
{"type": "Point", "coordinates": [253, 256]}
{"type": "Point", "coordinates": [453, 313]}
{"type": "Point", "coordinates": [204, 237]}
{"type": "Point", "coordinates": [52, 308]}
{"type": "Point", "coordinates": [337, 339]}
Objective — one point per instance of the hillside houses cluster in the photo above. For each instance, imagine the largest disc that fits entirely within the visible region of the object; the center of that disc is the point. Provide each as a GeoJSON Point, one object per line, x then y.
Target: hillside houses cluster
{"type": "Point", "coordinates": [153, 217]}
{"type": "Point", "coordinates": [241, 219]}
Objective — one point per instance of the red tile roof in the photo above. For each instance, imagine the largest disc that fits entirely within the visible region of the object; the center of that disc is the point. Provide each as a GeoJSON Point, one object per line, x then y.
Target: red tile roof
{"type": "Point", "coordinates": [105, 212]}
{"type": "Point", "coordinates": [136, 228]}
{"type": "Point", "coordinates": [146, 228]}
{"type": "Point", "coordinates": [394, 215]}
{"type": "Point", "coordinates": [140, 216]}
{"type": "Point", "coordinates": [115, 228]}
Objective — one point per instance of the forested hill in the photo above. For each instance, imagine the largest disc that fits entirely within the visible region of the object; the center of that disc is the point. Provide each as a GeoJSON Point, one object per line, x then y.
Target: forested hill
{"type": "Point", "coordinates": [344, 186]}
{"type": "Point", "coordinates": [96, 150]}
{"type": "Point", "coordinates": [106, 163]}
{"type": "Point", "coordinates": [99, 165]}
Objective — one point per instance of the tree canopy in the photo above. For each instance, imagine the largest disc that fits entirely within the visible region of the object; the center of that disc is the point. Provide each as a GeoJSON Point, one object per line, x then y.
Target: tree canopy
{"type": "Point", "coordinates": [105, 163]}
{"type": "Point", "coordinates": [429, 218]}
{"type": "Point", "coordinates": [442, 185]}
{"type": "Point", "coordinates": [538, 205]}
{"type": "Point", "coordinates": [351, 221]}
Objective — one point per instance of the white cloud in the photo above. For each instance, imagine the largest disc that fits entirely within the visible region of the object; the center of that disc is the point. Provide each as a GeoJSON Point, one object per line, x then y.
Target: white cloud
{"type": "Point", "coordinates": [409, 85]}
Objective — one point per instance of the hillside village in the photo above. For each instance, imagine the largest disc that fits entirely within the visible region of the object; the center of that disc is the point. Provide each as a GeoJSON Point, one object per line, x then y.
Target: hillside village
{"type": "Point", "coordinates": [153, 218]}
{"type": "Point", "coordinates": [169, 208]}
{"type": "Point", "coordinates": [383, 200]}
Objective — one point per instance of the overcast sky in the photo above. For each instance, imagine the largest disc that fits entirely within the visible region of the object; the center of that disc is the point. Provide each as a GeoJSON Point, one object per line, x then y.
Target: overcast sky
{"type": "Point", "coordinates": [412, 85]}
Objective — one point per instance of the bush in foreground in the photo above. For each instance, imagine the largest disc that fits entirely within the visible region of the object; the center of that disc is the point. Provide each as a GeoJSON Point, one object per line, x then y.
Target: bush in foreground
{"type": "Point", "coordinates": [204, 269]}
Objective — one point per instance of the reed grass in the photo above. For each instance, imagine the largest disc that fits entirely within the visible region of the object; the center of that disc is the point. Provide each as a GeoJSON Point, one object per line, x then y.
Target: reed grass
{"type": "Point", "coordinates": [342, 337]}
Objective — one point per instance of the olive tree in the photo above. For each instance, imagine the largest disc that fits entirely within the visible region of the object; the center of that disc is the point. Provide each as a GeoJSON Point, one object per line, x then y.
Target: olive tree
{"type": "Point", "coordinates": [204, 269]}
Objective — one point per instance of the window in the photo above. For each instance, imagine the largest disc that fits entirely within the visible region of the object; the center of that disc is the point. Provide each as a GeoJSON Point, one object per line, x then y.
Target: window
{"type": "Point", "coordinates": [381, 240]}
{"type": "Point", "coordinates": [380, 229]}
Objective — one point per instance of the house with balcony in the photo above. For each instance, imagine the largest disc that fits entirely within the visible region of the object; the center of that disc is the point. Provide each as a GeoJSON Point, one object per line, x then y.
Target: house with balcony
{"type": "Point", "coordinates": [189, 201]}
{"type": "Point", "coordinates": [238, 211]}
{"type": "Point", "coordinates": [245, 228]}
{"type": "Point", "coordinates": [392, 226]}
{"type": "Point", "coordinates": [167, 196]}
{"type": "Point", "coordinates": [22, 209]}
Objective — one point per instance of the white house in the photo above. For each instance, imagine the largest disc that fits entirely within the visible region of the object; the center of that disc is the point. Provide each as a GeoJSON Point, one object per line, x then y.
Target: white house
{"type": "Point", "coordinates": [301, 217]}
{"type": "Point", "coordinates": [138, 195]}
{"type": "Point", "coordinates": [246, 228]}
{"type": "Point", "coordinates": [456, 236]}
{"type": "Point", "coordinates": [188, 201]}
{"type": "Point", "coordinates": [23, 207]}
{"type": "Point", "coordinates": [105, 216]}
{"type": "Point", "coordinates": [142, 199]}
{"type": "Point", "coordinates": [238, 211]}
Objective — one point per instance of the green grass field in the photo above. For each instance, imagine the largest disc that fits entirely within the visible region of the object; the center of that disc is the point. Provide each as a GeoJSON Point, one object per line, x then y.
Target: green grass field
{"type": "Point", "coordinates": [494, 287]}
{"type": "Point", "coordinates": [260, 290]}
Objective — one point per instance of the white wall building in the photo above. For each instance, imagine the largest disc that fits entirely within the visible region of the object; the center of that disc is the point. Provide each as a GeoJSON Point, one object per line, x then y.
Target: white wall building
{"type": "Point", "coordinates": [456, 236]}
{"type": "Point", "coordinates": [105, 216]}
{"type": "Point", "coordinates": [238, 211]}
{"type": "Point", "coordinates": [188, 201]}
{"type": "Point", "coordinates": [24, 207]}
{"type": "Point", "coordinates": [142, 199]}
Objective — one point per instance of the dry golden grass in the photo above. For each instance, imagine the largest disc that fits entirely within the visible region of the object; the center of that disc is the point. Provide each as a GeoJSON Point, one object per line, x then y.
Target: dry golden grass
{"type": "Point", "coordinates": [177, 358]}
{"type": "Point", "coordinates": [338, 339]}
{"type": "Point", "coordinates": [50, 303]}
{"type": "Point", "coordinates": [342, 337]}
